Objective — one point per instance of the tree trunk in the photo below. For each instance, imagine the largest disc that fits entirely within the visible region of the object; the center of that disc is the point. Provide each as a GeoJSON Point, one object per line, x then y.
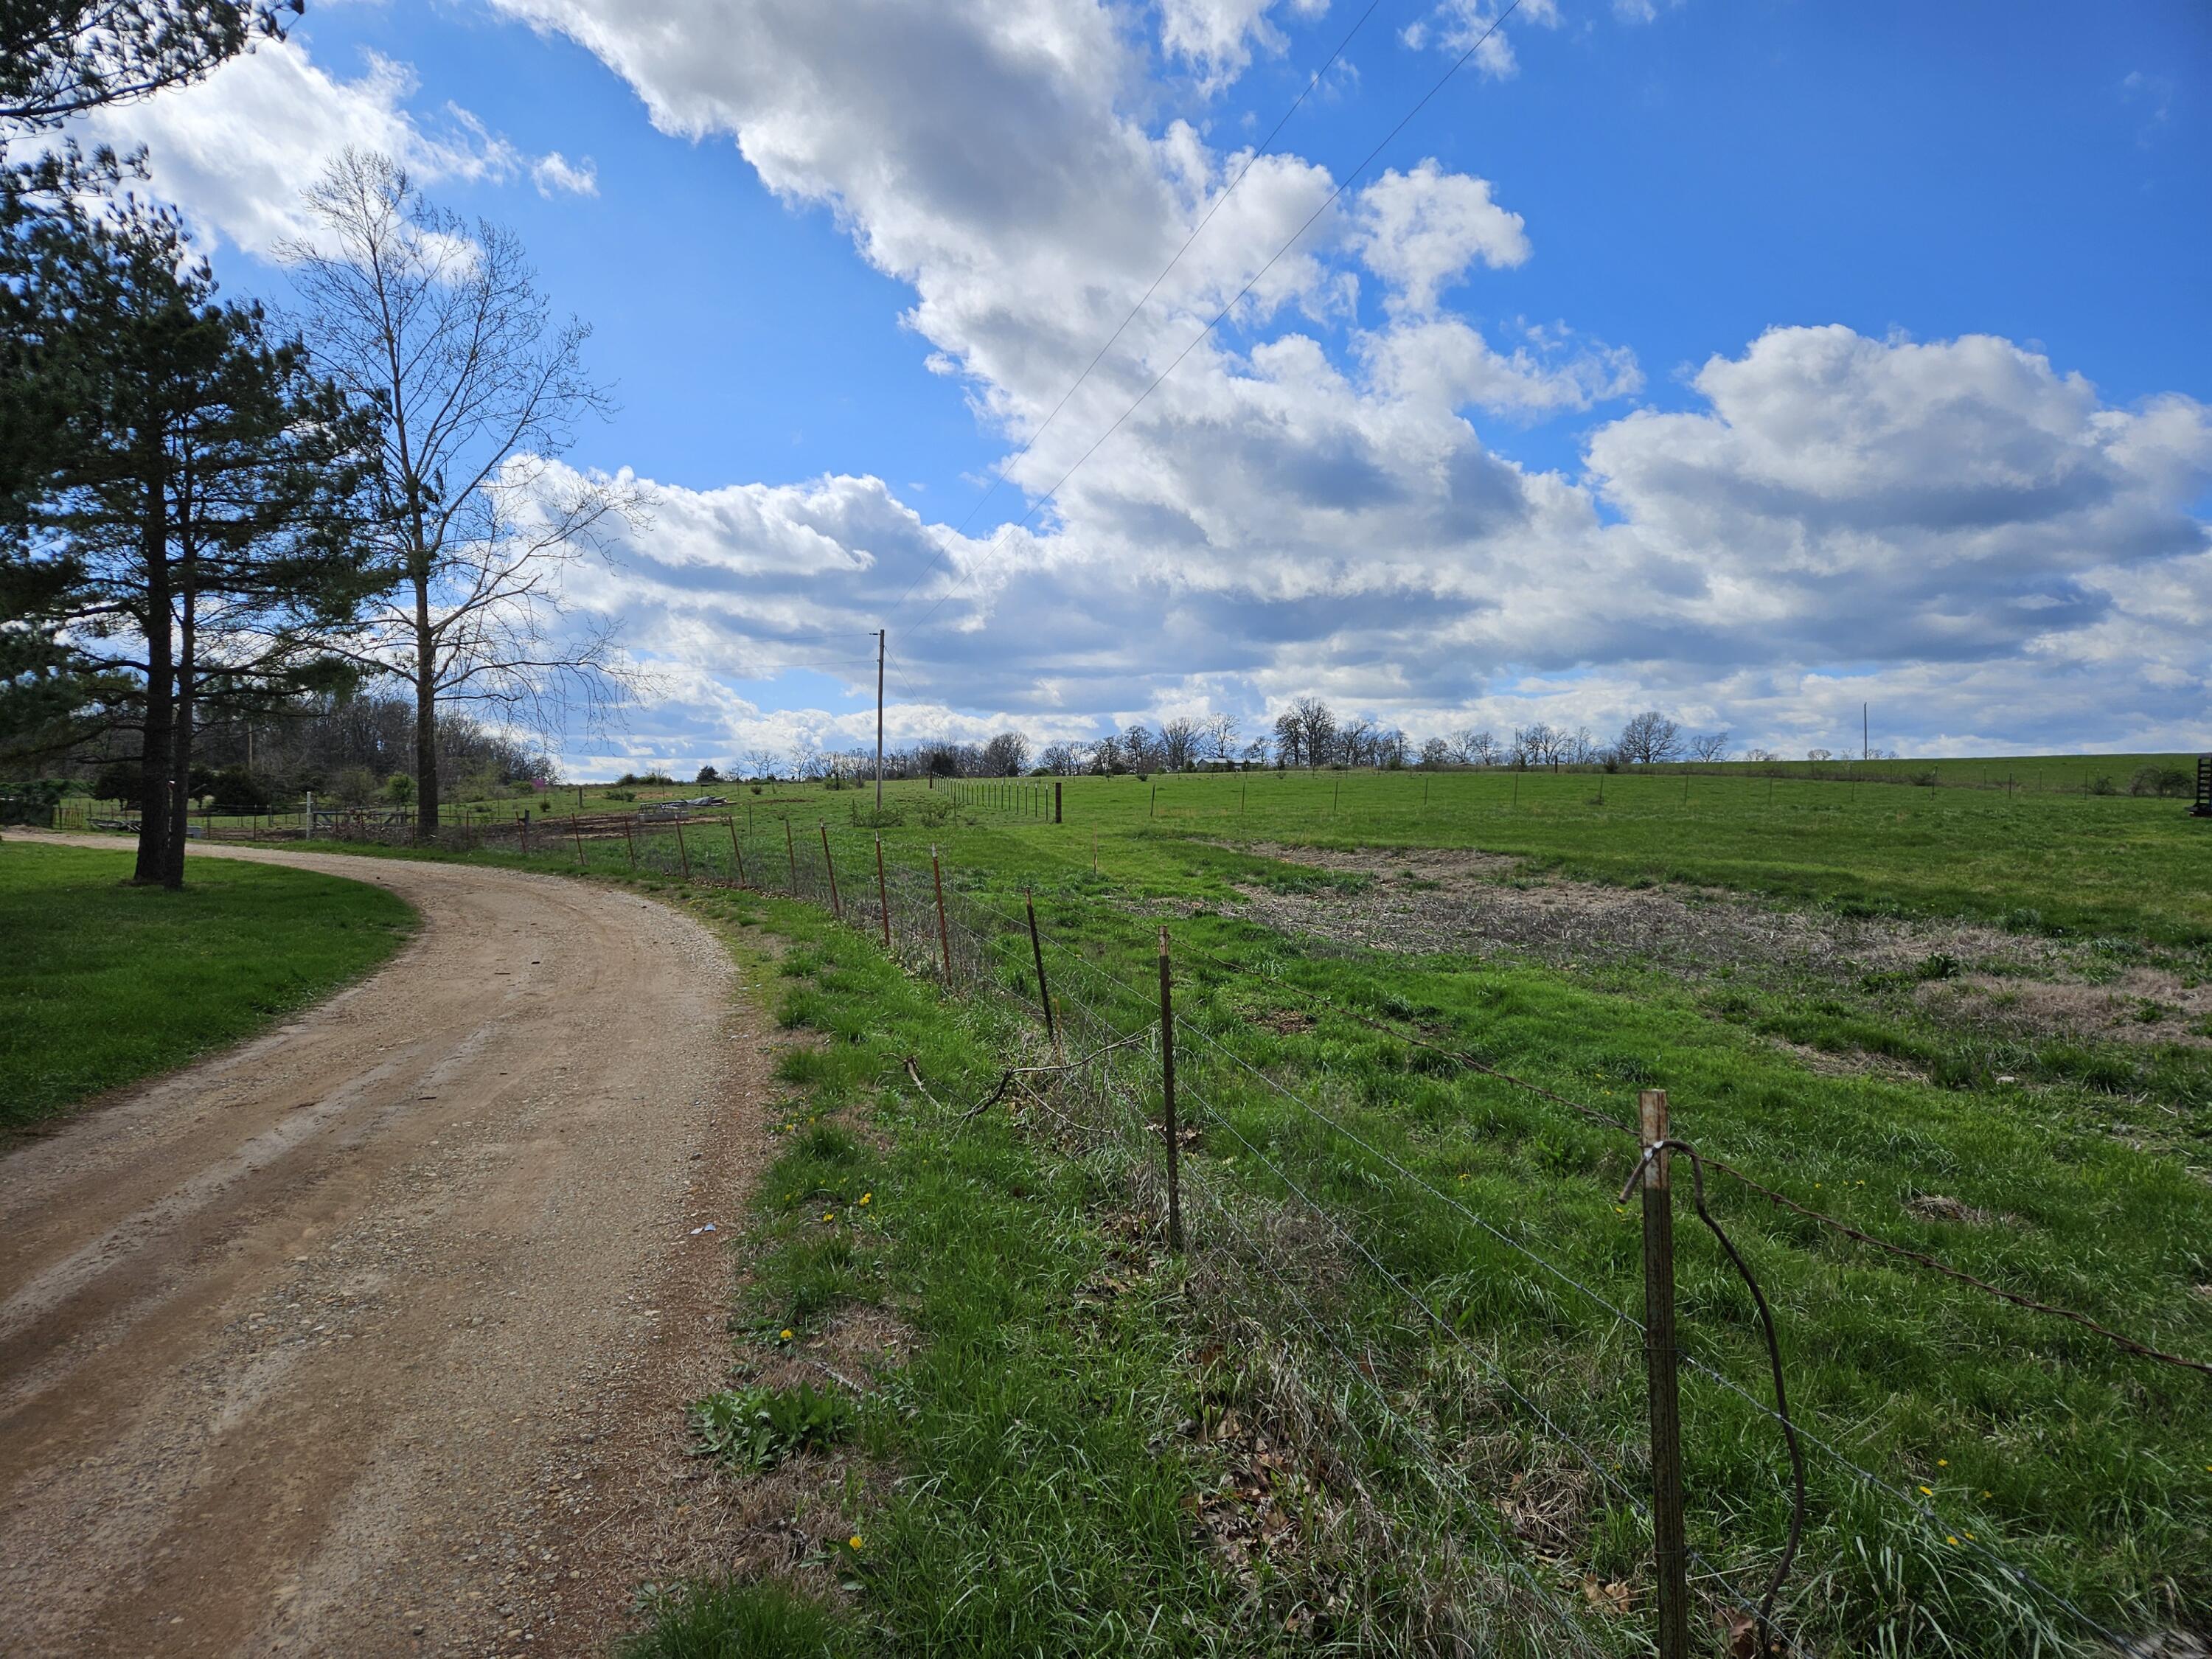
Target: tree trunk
{"type": "Point", "coordinates": [426, 715]}
{"type": "Point", "coordinates": [156, 748]}
{"type": "Point", "coordinates": [180, 751]}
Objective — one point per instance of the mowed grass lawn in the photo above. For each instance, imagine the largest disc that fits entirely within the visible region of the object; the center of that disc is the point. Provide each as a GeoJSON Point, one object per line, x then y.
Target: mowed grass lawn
{"type": "Point", "coordinates": [103, 983]}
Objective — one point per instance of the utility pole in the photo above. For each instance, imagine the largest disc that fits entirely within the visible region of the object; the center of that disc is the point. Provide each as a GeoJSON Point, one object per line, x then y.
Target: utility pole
{"type": "Point", "coordinates": [1866, 741]}
{"type": "Point", "coordinates": [879, 723]}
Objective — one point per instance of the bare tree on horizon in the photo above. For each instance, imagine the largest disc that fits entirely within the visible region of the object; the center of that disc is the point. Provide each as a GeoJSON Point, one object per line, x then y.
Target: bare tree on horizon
{"type": "Point", "coordinates": [439, 326]}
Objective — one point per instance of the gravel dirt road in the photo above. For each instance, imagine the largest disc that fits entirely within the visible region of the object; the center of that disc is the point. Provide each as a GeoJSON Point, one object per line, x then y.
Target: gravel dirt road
{"type": "Point", "coordinates": [372, 1336]}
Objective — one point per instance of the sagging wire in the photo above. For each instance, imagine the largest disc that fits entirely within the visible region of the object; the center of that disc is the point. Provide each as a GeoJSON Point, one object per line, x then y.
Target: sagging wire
{"type": "Point", "coordinates": [1774, 1363]}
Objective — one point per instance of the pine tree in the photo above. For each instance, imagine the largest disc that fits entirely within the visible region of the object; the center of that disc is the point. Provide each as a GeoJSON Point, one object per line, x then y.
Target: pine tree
{"type": "Point", "coordinates": [196, 533]}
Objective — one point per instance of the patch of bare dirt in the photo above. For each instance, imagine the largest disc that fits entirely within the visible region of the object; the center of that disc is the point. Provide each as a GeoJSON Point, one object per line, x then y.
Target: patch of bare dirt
{"type": "Point", "coordinates": [1463, 902]}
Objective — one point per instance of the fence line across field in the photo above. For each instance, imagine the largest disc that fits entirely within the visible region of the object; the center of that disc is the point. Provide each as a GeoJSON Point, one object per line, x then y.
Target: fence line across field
{"type": "Point", "coordinates": [950, 933]}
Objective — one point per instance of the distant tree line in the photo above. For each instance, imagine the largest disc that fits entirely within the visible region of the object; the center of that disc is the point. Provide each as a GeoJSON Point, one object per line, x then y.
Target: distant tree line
{"type": "Point", "coordinates": [1309, 734]}
{"type": "Point", "coordinates": [213, 520]}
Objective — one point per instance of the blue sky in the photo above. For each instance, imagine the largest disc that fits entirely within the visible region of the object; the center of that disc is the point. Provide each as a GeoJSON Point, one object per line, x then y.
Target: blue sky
{"type": "Point", "coordinates": [1967, 479]}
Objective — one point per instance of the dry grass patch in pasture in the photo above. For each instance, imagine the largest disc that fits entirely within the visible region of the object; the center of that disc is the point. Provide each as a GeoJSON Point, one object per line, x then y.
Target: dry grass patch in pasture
{"type": "Point", "coordinates": [1423, 902]}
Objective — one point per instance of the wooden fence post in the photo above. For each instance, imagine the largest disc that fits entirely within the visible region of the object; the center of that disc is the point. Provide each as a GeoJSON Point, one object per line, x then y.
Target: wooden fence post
{"type": "Point", "coordinates": [1056, 817]}
{"type": "Point", "coordinates": [1044, 988]}
{"type": "Point", "coordinates": [683, 853]}
{"type": "Point", "coordinates": [944, 934]}
{"type": "Point", "coordinates": [1669, 1544]}
{"type": "Point", "coordinates": [836, 906]}
{"type": "Point", "coordinates": [791, 851]}
{"type": "Point", "coordinates": [882, 892]}
{"type": "Point", "coordinates": [1168, 1098]}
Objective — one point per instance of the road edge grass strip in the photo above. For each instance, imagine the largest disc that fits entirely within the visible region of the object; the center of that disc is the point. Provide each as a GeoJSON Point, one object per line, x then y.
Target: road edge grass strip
{"type": "Point", "coordinates": [1040, 1479]}
{"type": "Point", "coordinates": [105, 984]}
{"type": "Point", "coordinates": [1033, 1500]}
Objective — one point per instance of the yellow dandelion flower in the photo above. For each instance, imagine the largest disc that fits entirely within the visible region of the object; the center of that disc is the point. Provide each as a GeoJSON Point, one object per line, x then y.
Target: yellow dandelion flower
{"type": "Point", "coordinates": [1928, 1491]}
{"type": "Point", "coordinates": [1970, 1538]}
{"type": "Point", "coordinates": [1942, 1462]}
{"type": "Point", "coordinates": [1986, 1492]}
{"type": "Point", "coordinates": [855, 1540]}
{"type": "Point", "coordinates": [828, 1215]}
{"type": "Point", "coordinates": [864, 1197]}
{"type": "Point", "coordinates": [787, 1333]}
{"type": "Point", "coordinates": [1949, 1540]}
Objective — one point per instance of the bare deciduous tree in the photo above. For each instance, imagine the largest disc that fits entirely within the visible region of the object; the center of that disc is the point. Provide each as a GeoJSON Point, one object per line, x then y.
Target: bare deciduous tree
{"type": "Point", "coordinates": [1476, 747]}
{"type": "Point", "coordinates": [1648, 740]}
{"type": "Point", "coordinates": [439, 326]}
{"type": "Point", "coordinates": [1537, 744]}
{"type": "Point", "coordinates": [1179, 740]}
{"type": "Point", "coordinates": [1064, 760]}
{"type": "Point", "coordinates": [1711, 746]}
{"type": "Point", "coordinates": [1316, 728]}
{"type": "Point", "coordinates": [1006, 756]}
{"type": "Point", "coordinates": [1140, 750]}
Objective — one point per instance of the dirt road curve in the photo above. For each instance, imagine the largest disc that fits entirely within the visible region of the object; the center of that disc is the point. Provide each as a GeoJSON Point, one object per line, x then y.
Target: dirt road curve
{"type": "Point", "coordinates": [370, 1337]}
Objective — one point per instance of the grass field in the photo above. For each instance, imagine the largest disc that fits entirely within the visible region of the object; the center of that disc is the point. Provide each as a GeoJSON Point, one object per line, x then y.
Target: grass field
{"type": "Point", "coordinates": [2069, 1167]}
{"type": "Point", "coordinates": [1462, 1237]}
{"type": "Point", "coordinates": [105, 983]}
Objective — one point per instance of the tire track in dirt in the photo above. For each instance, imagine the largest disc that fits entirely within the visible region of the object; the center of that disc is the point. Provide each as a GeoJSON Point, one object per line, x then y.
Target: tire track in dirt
{"type": "Point", "coordinates": [349, 1339]}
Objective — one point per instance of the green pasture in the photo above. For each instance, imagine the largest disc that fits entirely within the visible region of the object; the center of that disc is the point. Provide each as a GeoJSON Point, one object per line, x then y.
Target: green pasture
{"type": "Point", "coordinates": [2071, 1169]}
{"type": "Point", "coordinates": [104, 983]}
{"type": "Point", "coordinates": [2077, 1164]}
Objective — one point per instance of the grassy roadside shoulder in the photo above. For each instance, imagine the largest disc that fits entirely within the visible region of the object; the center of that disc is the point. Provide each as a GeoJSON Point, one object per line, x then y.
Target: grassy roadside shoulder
{"type": "Point", "coordinates": [1027, 1493]}
{"type": "Point", "coordinates": [103, 983]}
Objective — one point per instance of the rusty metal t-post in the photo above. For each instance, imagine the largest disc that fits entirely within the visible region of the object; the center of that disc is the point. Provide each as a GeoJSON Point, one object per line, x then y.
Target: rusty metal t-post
{"type": "Point", "coordinates": [629, 835]}
{"type": "Point", "coordinates": [1044, 988]}
{"type": "Point", "coordinates": [882, 892]}
{"type": "Point", "coordinates": [1168, 1099]}
{"type": "Point", "coordinates": [836, 905]}
{"type": "Point", "coordinates": [944, 933]}
{"type": "Point", "coordinates": [577, 825]}
{"type": "Point", "coordinates": [1670, 1543]}
{"type": "Point", "coordinates": [736, 851]}
{"type": "Point", "coordinates": [683, 853]}
{"type": "Point", "coordinates": [791, 850]}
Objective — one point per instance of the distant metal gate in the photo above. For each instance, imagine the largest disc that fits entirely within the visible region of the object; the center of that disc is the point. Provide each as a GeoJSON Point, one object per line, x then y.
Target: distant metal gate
{"type": "Point", "coordinates": [2204, 807]}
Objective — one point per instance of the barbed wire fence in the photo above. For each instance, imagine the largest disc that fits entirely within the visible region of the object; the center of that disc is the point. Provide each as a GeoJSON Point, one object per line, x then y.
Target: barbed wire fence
{"type": "Point", "coordinates": [1086, 1071]}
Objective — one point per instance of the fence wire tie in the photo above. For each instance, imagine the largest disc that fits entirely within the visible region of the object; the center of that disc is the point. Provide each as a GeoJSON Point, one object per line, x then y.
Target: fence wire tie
{"type": "Point", "coordinates": [1008, 1077]}
{"type": "Point", "coordinates": [1773, 1359]}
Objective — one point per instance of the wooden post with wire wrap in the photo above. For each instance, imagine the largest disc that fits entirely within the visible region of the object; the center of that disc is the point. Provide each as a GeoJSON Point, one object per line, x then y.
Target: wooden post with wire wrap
{"type": "Point", "coordinates": [1669, 1541]}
